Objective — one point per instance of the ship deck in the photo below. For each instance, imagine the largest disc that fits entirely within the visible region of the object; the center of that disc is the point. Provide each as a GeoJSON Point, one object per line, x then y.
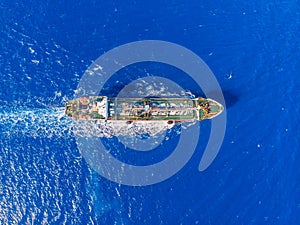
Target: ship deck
{"type": "Point", "coordinates": [176, 109]}
{"type": "Point", "coordinates": [142, 109]}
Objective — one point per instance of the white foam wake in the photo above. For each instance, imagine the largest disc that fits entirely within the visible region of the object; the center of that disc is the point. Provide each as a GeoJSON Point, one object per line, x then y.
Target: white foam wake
{"type": "Point", "coordinates": [119, 128]}
{"type": "Point", "coordinates": [47, 123]}
{"type": "Point", "coordinates": [34, 122]}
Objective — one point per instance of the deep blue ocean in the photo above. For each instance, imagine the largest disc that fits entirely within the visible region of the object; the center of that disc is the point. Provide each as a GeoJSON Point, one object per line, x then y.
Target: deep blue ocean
{"type": "Point", "coordinates": [253, 49]}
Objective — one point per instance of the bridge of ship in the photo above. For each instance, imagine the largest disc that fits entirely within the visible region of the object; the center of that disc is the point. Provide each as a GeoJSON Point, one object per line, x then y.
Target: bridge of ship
{"type": "Point", "coordinates": [151, 109]}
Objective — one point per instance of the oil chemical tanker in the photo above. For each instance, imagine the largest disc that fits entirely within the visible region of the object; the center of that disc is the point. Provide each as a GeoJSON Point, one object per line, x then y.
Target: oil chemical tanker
{"type": "Point", "coordinates": [142, 109]}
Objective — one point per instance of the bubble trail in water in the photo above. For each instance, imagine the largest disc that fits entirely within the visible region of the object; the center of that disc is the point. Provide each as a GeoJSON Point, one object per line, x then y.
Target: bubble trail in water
{"type": "Point", "coordinates": [47, 123]}
{"type": "Point", "coordinates": [34, 122]}
{"type": "Point", "coordinates": [119, 128]}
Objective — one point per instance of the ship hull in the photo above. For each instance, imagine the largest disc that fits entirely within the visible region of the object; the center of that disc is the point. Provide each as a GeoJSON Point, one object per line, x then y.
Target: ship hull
{"type": "Point", "coordinates": [142, 109]}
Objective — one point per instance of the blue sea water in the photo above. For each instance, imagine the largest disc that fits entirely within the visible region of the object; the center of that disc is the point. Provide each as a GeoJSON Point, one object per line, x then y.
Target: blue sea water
{"type": "Point", "coordinates": [251, 46]}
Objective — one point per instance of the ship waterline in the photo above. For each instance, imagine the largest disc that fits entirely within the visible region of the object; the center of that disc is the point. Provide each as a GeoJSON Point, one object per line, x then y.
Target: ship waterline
{"type": "Point", "coordinates": [142, 109]}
